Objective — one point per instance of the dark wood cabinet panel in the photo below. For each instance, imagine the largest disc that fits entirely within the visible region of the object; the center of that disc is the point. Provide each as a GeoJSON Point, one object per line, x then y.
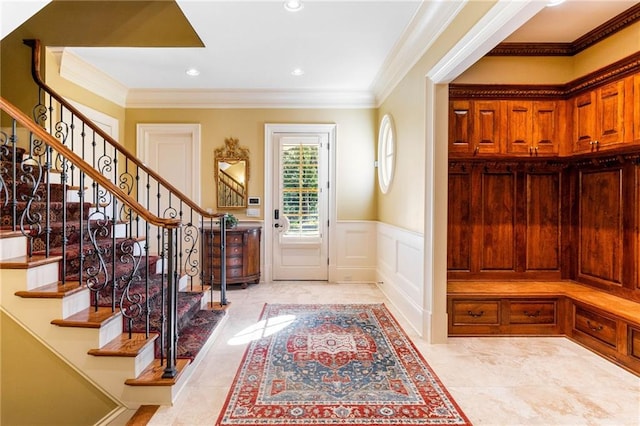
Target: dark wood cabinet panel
{"type": "Point", "coordinates": [532, 312]}
{"type": "Point", "coordinates": [602, 117]}
{"type": "Point", "coordinates": [460, 127]}
{"type": "Point", "coordinates": [487, 126]}
{"type": "Point", "coordinates": [520, 126]}
{"type": "Point", "coordinates": [596, 325]}
{"type": "Point", "coordinates": [635, 107]}
{"type": "Point", "coordinates": [242, 255]}
{"type": "Point", "coordinates": [546, 127]}
{"type": "Point", "coordinates": [497, 242]}
{"type": "Point", "coordinates": [611, 113]}
{"type": "Point", "coordinates": [600, 229]}
{"type": "Point", "coordinates": [543, 222]}
{"type": "Point", "coordinates": [459, 220]}
{"type": "Point", "coordinates": [584, 121]}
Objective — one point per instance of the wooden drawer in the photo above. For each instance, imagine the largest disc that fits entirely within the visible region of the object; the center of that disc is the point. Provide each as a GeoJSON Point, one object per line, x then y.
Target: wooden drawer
{"type": "Point", "coordinates": [473, 312]}
{"type": "Point", "coordinates": [634, 342]}
{"type": "Point", "coordinates": [595, 325]}
{"type": "Point", "coordinates": [232, 239]}
{"type": "Point", "coordinates": [532, 312]}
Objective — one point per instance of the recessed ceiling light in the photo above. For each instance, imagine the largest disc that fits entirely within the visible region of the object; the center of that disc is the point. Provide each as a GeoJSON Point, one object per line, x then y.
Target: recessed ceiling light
{"type": "Point", "coordinates": [293, 5]}
{"type": "Point", "coordinates": [297, 72]}
{"type": "Point", "coordinates": [553, 3]}
{"type": "Point", "coordinates": [192, 72]}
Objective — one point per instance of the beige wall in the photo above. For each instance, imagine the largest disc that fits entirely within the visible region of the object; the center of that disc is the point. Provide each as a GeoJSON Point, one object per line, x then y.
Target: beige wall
{"type": "Point", "coordinates": [404, 204]}
{"type": "Point", "coordinates": [38, 388]}
{"type": "Point", "coordinates": [355, 147]}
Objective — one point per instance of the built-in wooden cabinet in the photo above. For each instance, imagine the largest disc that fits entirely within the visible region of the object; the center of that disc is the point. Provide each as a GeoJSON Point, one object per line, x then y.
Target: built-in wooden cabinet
{"type": "Point", "coordinates": [475, 127]}
{"type": "Point", "coordinates": [500, 127]}
{"type": "Point", "coordinates": [504, 221]}
{"type": "Point", "coordinates": [477, 315]}
{"type": "Point", "coordinates": [602, 117]}
{"type": "Point", "coordinates": [533, 127]}
{"type": "Point", "coordinates": [544, 211]}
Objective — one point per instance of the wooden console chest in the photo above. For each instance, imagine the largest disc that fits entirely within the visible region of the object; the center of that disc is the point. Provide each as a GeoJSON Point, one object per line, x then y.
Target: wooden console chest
{"type": "Point", "coordinates": [243, 255]}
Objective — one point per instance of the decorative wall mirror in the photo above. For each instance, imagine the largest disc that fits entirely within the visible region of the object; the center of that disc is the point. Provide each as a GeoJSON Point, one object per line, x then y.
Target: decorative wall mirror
{"type": "Point", "coordinates": [231, 171]}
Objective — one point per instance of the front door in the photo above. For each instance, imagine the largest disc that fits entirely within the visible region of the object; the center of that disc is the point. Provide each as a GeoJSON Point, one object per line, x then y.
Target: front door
{"type": "Point", "coordinates": [300, 206]}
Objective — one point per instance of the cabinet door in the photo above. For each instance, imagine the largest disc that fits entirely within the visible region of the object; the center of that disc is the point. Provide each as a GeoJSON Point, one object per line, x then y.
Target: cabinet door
{"type": "Point", "coordinates": [584, 121]}
{"type": "Point", "coordinates": [542, 251]}
{"type": "Point", "coordinates": [459, 233]}
{"type": "Point", "coordinates": [635, 108]}
{"type": "Point", "coordinates": [487, 127]}
{"type": "Point", "coordinates": [496, 250]}
{"type": "Point", "coordinates": [545, 132]}
{"type": "Point", "coordinates": [600, 227]}
{"type": "Point", "coordinates": [460, 127]}
{"type": "Point", "coordinates": [610, 114]}
{"type": "Point", "coordinates": [520, 127]}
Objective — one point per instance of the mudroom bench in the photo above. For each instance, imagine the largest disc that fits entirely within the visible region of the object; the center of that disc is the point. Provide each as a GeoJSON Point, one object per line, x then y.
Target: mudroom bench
{"type": "Point", "coordinates": [604, 323]}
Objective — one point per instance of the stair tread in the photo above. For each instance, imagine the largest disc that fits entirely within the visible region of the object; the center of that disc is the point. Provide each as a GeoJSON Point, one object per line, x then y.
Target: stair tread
{"type": "Point", "coordinates": [52, 291]}
{"type": "Point", "coordinates": [26, 262]}
{"type": "Point", "coordinates": [152, 375]}
{"type": "Point", "coordinates": [88, 318]}
{"type": "Point", "coordinates": [10, 234]}
{"type": "Point", "coordinates": [124, 346]}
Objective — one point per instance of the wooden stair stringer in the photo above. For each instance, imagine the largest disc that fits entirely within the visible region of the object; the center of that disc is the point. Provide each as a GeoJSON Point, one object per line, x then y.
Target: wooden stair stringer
{"type": "Point", "coordinates": [75, 333]}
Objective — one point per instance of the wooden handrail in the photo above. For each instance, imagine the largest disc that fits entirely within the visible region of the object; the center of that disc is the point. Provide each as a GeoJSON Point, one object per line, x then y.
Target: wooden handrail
{"type": "Point", "coordinates": [94, 174]}
{"type": "Point", "coordinates": [35, 72]}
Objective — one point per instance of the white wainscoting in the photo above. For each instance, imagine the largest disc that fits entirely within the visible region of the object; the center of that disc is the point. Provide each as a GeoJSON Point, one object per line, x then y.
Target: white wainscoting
{"type": "Point", "coordinates": [400, 271]}
{"type": "Point", "coordinates": [354, 251]}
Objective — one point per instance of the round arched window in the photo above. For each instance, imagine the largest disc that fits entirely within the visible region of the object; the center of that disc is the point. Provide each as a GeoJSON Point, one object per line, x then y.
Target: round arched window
{"type": "Point", "coordinates": [386, 152]}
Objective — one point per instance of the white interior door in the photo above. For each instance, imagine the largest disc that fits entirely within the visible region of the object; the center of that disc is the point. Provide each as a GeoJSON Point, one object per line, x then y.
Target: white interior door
{"type": "Point", "coordinates": [300, 206]}
{"type": "Point", "coordinates": [173, 151]}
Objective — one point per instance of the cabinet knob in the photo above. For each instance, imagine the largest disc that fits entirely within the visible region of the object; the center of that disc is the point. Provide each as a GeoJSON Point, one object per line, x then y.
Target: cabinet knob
{"type": "Point", "coordinates": [476, 150]}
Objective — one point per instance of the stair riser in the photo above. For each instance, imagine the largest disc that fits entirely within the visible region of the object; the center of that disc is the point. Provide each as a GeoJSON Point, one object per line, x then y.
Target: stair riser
{"type": "Point", "coordinates": [30, 278]}
{"type": "Point", "coordinates": [13, 247]}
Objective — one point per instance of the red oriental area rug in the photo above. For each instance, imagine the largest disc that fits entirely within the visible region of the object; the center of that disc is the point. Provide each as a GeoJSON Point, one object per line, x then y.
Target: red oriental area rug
{"type": "Point", "coordinates": [336, 365]}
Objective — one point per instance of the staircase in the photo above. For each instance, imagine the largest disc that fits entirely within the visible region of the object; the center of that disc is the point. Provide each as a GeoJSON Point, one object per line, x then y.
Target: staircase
{"type": "Point", "coordinates": [90, 267]}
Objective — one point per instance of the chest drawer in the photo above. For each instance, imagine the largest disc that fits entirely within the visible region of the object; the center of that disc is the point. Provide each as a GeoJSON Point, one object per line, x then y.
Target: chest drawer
{"type": "Point", "coordinates": [469, 312]}
{"type": "Point", "coordinates": [634, 342]}
{"type": "Point", "coordinates": [595, 325]}
{"type": "Point", "coordinates": [532, 312]}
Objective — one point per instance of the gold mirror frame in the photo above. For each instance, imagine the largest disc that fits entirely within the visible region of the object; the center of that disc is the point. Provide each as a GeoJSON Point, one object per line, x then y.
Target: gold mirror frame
{"type": "Point", "coordinates": [231, 171]}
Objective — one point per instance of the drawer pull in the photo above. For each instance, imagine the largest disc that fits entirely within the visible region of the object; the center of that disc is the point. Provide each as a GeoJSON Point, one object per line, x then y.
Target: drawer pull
{"type": "Point", "coordinates": [473, 314]}
{"type": "Point", "coordinates": [592, 328]}
{"type": "Point", "coordinates": [535, 314]}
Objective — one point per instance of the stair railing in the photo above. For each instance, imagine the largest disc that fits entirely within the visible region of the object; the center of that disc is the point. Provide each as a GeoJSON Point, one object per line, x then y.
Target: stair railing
{"type": "Point", "coordinates": [30, 176]}
{"type": "Point", "coordinates": [126, 171]}
{"type": "Point", "coordinates": [230, 191]}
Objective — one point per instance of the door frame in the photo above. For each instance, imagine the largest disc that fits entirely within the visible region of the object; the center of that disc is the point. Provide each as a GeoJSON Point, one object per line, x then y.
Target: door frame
{"type": "Point", "coordinates": [145, 130]}
{"type": "Point", "coordinates": [269, 135]}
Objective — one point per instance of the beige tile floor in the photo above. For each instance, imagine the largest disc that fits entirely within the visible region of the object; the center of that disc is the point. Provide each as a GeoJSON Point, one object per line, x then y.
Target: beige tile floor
{"type": "Point", "coordinates": [496, 381]}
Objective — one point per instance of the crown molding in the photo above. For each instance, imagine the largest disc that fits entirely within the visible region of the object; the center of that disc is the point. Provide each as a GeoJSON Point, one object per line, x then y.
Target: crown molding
{"type": "Point", "coordinates": [612, 72]}
{"type": "Point", "coordinates": [229, 98]}
{"type": "Point", "coordinates": [502, 19]}
{"type": "Point", "coordinates": [612, 26]}
{"type": "Point", "coordinates": [429, 21]}
{"type": "Point", "coordinates": [80, 72]}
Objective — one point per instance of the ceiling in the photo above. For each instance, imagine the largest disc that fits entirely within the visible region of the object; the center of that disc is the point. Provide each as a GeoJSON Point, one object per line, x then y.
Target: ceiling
{"type": "Point", "coordinates": [340, 46]}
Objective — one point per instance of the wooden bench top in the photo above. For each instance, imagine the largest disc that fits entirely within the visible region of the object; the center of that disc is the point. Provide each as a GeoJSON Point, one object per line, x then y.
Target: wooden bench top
{"type": "Point", "coordinates": [626, 309]}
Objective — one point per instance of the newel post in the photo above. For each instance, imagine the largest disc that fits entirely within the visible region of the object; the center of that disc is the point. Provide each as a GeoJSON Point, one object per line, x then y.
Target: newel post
{"type": "Point", "coordinates": [170, 370]}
